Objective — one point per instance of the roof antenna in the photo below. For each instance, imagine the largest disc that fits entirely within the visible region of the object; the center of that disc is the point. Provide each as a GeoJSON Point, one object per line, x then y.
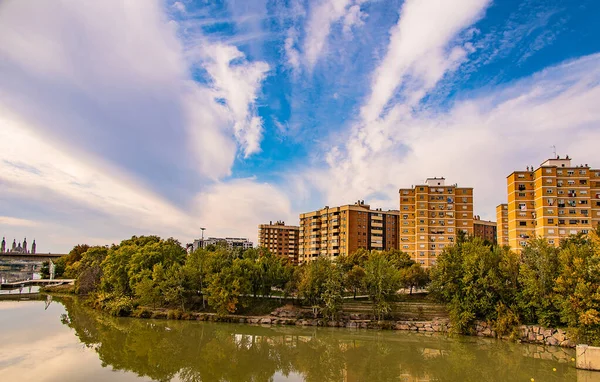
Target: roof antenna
{"type": "Point", "coordinates": [554, 151]}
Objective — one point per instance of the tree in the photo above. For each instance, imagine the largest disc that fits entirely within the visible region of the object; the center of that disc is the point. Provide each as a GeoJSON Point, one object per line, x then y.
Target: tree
{"type": "Point", "coordinates": [413, 276]}
{"type": "Point", "coordinates": [77, 253]}
{"type": "Point", "coordinates": [332, 293]}
{"type": "Point", "coordinates": [224, 289]}
{"type": "Point", "coordinates": [355, 279]}
{"type": "Point", "coordinates": [382, 281]}
{"type": "Point", "coordinates": [537, 275]}
{"type": "Point", "coordinates": [474, 280]}
{"type": "Point", "coordinates": [578, 288]}
{"type": "Point", "coordinates": [312, 282]}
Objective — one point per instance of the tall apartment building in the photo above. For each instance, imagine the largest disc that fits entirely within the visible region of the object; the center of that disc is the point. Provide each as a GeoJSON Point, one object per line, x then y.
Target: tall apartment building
{"type": "Point", "coordinates": [553, 201]}
{"type": "Point", "coordinates": [502, 224]}
{"type": "Point", "coordinates": [431, 215]}
{"type": "Point", "coordinates": [280, 239]}
{"type": "Point", "coordinates": [339, 231]}
{"type": "Point", "coordinates": [485, 229]}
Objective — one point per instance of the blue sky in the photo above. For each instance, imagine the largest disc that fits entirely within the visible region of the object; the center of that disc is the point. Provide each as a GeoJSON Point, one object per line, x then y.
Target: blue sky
{"type": "Point", "coordinates": [160, 117]}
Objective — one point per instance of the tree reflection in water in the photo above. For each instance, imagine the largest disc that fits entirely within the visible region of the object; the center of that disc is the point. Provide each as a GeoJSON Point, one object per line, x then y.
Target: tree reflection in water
{"type": "Point", "coordinates": [198, 351]}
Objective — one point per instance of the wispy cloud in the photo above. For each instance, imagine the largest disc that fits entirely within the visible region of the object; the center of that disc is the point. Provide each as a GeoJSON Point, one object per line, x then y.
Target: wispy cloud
{"type": "Point", "coordinates": [320, 20]}
{"type": "Point", "coordinates": [17, 222]}
{"type": "Point", "coordinates": [475, 143]}
{"type": "Point", "coordinates": [419, 48]}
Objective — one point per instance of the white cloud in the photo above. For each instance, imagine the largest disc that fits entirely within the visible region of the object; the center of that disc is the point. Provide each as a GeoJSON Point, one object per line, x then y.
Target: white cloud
{"type": "Point", "coordinates": [354, 17]}
{"type": "Point", "coordinates": [238, 84]}
{"type": "Point", "coordinates": [108, 123]}
{"type": "Point", "coordinates": [292, 54]}
{"type": "Point", "coordinates": [419, 54]}
{"type": "Point", "coordinates": [320, 20]}
{"type": "Point", "coordinates": [476, 143]}
{"type": "Point", "coordinates": [237, 207]}
{"type": "Point", "coordinates": [32, 163]}
{"type": "Point", "coordinates": [16, 222]}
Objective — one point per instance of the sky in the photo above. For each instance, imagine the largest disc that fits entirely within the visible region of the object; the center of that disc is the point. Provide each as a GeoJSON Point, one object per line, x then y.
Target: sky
{"type": "Point", "coordinates": [121, 118]}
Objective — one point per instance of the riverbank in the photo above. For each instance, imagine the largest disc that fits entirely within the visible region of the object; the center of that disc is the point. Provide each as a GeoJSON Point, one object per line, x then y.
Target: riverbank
{"type": "Point", "coordinates": [414, 315]}
{"type": "Point", "coordinates": [532, 334]}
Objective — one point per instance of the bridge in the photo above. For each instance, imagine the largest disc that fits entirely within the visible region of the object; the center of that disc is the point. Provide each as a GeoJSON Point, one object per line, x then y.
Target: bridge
{"type": "Point", "coordinates": [46, 282]}
{"type": "Point", "coordinates": [39, 257]}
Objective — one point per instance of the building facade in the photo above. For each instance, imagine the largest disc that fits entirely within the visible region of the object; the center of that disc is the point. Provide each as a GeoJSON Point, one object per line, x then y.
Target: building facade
{"type": "Point", "coordinates": [553, 201]}
{"type": "Point", "coordinates": [280, 239]}
{"type": "Point", "coordinates": [502, 224]}
{"type": "Point", "coordinates": [340, 231]}
{"type": "Point", "coordinates": [431, 215]}
{"type": "Point", "coordinates": [485, 229]}
{"type": "Point", "coordinates": [227, 242]}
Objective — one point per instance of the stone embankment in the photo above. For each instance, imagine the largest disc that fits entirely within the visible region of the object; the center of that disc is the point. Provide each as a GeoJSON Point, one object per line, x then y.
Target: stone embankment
{"type": "Point", "coordinates": [526, 333]}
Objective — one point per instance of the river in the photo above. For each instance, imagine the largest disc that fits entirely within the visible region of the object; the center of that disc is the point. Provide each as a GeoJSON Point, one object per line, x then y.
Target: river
{"type": "Point", "coordinates": [66, 341]}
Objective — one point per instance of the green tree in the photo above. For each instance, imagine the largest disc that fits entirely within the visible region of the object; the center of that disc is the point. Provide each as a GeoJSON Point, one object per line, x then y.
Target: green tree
{"type": "Point", "coordinates": [382, 281]}
{"type": "Point", "coordinates": [473, 280]}
{"type": "Point", "coordinates": [413, 276]}
{"type": "Point", "coordinates": [578, 288]}
{"type": "Point", "coordinates": [355, 279]}
{"type": "Point", "coordinates": [312, 282]}
{"type": "Point", "coordinates": [225, 287]}
{"type": "Point", "coordinates": [332, 293]}
{"type": "Point", "coordinates": [537, 275]}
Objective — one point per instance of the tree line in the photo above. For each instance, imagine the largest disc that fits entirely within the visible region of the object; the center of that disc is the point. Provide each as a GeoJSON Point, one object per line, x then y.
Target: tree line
{"type": "Point", "coordinates": [545, 285]}
{"type": "Point", "coordinates": [477, 281]}
{"type": "Point", "coordinates": [151, 272]}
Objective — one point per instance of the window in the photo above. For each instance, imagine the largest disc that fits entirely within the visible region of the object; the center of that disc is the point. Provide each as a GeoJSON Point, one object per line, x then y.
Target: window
{"type": "Point", "coordinates": [550, 231]}
{"type": "Point", "coordinates": [551, 241]}
{"type": "Point", "coordinates": [548, 171]}
{"type": "Point", "coordinates": [550, 221]}
{"type": "Point", "coordinates": [522, 223]}
{"type": "Point", "coordinates": [549, 191]}
{"type": "Point", "coordinates": [548, 180]}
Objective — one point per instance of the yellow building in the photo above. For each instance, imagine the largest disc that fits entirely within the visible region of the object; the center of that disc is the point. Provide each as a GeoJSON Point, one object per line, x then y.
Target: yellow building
{"type": "Point", "coordinates": [280, 239]}
{"type": "Point", "coordinates": [431, 215]}
{"type": "Point", "coordinates": [502, 224]}
{"type": "Point", "coordinates": [339, 231]}
{"type": "Point", "coordinates": [553, 201]}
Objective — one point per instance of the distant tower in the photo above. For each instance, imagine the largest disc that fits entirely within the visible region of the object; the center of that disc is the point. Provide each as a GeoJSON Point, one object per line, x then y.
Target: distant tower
{"type": "Point", "coordinates": [33, 247]}
{"type": "Point", "coordinates": [14, 246]}
{"type": "Point", "coordinates": [25, 245]}
{"type": "Point", "coordinates": [3, 246]}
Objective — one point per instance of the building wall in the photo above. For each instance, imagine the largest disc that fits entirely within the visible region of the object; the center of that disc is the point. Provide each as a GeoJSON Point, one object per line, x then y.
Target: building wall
{"type": "Point", "coordinates": [280, 239]}
{"type": "Point", "coordinates": [431, 215]}
{"type": "Point", "coordinates": [502, 224]}
{"type": "Point", "coordinates": [553, 201]}
{"type": "Point", "coordinates": [485, 230]}
{"type": "Point", "coordinates": [340, 231]}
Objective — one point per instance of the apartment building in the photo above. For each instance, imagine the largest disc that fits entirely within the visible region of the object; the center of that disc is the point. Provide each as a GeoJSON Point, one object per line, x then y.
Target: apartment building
{"type": "Point", "coordinates": [553, 201]}
{"type": "Point", "coordinates": [485, 229]}
{"type": "Point", "coordinates": [339, 231]}
{"type": "Point", "coordinates": [431, 215]}
{"type": "Point", "coordinates": [502, 224]}
{"type": "Point", "coordinates": [227, 242]}
{"type": "Point", "coordinates": [280, 239]}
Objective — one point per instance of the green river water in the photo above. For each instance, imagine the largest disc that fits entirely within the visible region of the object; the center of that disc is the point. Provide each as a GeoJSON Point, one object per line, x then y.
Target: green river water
{"type": "Point", "coordinates": [65, 341]}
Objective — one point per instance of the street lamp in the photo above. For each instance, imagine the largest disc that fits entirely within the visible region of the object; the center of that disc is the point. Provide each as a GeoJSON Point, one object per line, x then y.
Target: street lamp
{"type": "Point", "coordinates": [202, 240]}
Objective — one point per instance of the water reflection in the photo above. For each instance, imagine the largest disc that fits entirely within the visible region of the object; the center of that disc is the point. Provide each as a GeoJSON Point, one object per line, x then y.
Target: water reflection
{"type": "Point", "coordinates": [196, 351]}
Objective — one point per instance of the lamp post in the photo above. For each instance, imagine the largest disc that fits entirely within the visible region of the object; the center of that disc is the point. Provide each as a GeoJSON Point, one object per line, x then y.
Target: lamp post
{"type": "Point", "coordinates": [201, 275]}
